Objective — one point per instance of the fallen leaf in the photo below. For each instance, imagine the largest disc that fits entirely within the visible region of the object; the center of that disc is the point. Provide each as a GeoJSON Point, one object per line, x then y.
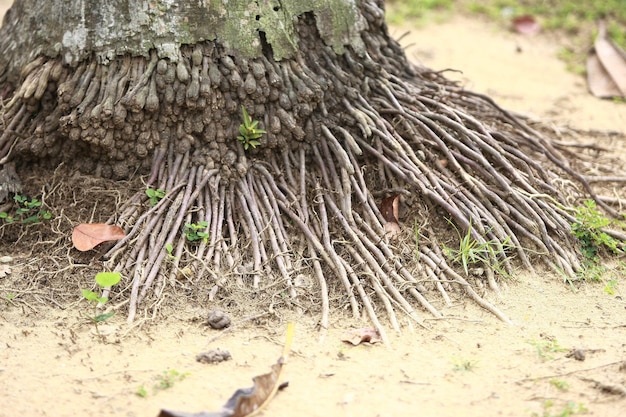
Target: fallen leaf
{"type": "Point", "coordinates": [87, 236]}
{"type": "Point", "coordinates": [389, 209]}
{"type": "Point", "coordinates": [363, 335]}
{"type": "Point", "coordinates": [526, 25]}
{"type": "Point", "coordinates": [606, 67]}
{"type": "Point", "coordinates": [247, 402]}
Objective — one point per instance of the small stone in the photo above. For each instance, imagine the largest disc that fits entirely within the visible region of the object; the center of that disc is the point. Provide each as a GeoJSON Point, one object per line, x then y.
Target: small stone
{"type": "Point", "coordinates": [218, 319]}
{"type": "Point", "coordinates": [5, 259]}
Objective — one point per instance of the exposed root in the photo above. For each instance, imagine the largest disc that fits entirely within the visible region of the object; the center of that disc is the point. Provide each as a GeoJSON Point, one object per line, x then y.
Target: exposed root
{"type": "Point", "coordinates": [341, 130]}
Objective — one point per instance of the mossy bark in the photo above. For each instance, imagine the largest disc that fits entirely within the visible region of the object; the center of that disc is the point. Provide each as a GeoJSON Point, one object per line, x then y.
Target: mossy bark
{"type": "Point", "coordinates": [78, 29]}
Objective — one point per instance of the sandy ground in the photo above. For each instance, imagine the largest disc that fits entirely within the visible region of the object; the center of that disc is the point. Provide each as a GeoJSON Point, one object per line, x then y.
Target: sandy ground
{"type": "Point", "coordinates": [469, 364]}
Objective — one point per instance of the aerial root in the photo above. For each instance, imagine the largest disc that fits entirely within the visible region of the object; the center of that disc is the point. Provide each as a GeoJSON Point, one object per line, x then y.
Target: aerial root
{"type": "Point", "coordinates": [341, 134]}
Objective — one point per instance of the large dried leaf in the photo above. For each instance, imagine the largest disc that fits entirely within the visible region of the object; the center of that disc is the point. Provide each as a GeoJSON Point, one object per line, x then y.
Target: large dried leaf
{"type": "Point", "coordinates": [247, 402]}
{"type": "Point", "coordinates": [606, 67]}
{"type": "Point", "coordinates": [87, 236]}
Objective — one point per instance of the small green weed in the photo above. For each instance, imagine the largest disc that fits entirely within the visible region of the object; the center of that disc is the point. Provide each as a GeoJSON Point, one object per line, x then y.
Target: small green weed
{"type": "Point", "coordinates": [28, 212]}
{"type": "Point", "coordinates": [570, 409]}
{"type": "Point", "coordinates": [166, 380]}
{"type": "Point", "coordinates": [473, 252]}
{"type": "Point", "coordinates": [170, 250]}
{"type": "Point", "coordinates": [103, 279]}
{"type": "Point", "coordinates": [142, 392]}
{"type": "Point", "coordinates": [560, 384]}
{"type": "Point", "coordinates": [249, 132]}
{"type": "Point", "coordinates": [155, 195]}
{"type": "Point", "coordinates": [588, 229]}
{"type": "Point", "coordinates": [416, 229]}
{"type": "Point", "coordinates": [463, 365]}
{"type": "Point", "coordinates": [610, 286]}
{"type": "Point", "coordinates": [194, 231]}
{"type": "Point", "coordinates": [546, 348]}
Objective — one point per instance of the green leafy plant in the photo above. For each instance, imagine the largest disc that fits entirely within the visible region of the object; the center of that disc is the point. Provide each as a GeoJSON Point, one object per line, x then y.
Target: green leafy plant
{"type": "Point", "coordinates": [473, 252]}
{"type": "Point", "coordinates": [28, 212]}
{"type": "Point", "coordinates": [588, 229]}
{"type": "Point", "coordinates": [104, 280]}
{"type": "Point", "coordinates": [155, 195]}
{"type": "Point", "coordinates": [194, 231]}
{"type": "Point", "coordinates": [248, 131]}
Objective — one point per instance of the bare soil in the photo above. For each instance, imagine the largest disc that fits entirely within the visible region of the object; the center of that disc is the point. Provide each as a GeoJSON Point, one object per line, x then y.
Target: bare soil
{"type": "Point", "coordinates": [470, 364]}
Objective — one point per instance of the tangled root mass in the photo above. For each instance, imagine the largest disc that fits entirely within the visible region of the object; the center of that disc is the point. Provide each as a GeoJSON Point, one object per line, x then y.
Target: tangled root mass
{"type": "Point", "coordinates": [342, 132]}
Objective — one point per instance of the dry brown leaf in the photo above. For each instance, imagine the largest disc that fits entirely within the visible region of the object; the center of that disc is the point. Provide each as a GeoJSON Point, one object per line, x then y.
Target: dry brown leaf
{"type": "Point", "coordinates": [389, 209]}
{"type": "Point", "coordinates": [87, 236]}
{"type": "Point", "coordinates": [606, 67]}
{"type": "Point", "coordinates": [363, 335]}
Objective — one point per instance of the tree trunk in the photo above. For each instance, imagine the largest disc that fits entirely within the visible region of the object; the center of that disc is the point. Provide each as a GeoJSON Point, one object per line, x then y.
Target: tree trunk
{"type": "Point", "coordinates": [345, 122]}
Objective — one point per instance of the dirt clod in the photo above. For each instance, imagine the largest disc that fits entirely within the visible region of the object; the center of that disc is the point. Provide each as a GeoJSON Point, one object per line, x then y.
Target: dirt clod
{"type": "Point", "coordinates": [218, 319]}
{"type": "Point", "coordinates": [578, 354]}
{"type": "Point", "coordinates": [213, 356]}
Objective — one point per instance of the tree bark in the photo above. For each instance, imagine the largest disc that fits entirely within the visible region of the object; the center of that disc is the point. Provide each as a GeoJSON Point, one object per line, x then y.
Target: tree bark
{"type": "Point", "coordinates": [79, 29]}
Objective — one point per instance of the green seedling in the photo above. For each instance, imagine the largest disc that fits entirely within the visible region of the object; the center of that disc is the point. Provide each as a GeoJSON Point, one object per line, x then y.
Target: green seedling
{"type": "Point", "coordinates": [546, 348]}
{"type": "Point", "coordinates": [104, 280]}
{"type": "Point", "coordinates": [570, 409]}
{"type": "Point", "coordinates": [560, 384]}
{"type": "Point", "coordinates": [248, 132]}
{"type": "Point", "coordinates": [142, 392]}
{"type": "Point", "coordinates": [194, 231]}
{"type": "Point", "coordinates": [610, 286]}
{"type": "Point", "coordinates": [28, 212]}
{"type": "Point", "coordinates": [164, 381]}
{"type": "Point", "coordinates": [463, 365]}
{"type": "Point", "coordinates": [170, 252]}
{"type": "Point", "coordinates": [416, 230]}
{"type": "Point", "coordinates": [473, 252]}
{"type": "Point", "coordinates": [155, 195]}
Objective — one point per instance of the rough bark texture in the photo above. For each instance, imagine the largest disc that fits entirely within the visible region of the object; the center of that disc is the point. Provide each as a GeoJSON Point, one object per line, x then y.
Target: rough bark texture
{"type": "Point", "coordinates": [81, 29]}
{"type": "Point", "coordinates": [344, 130]}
